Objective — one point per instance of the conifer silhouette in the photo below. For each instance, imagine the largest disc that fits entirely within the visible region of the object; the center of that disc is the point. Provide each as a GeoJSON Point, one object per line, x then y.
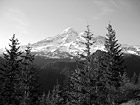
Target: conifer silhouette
{"type": "Point", "coordinates": [11, 93]}
{"type": "Point", "coordinates": [29, 77]}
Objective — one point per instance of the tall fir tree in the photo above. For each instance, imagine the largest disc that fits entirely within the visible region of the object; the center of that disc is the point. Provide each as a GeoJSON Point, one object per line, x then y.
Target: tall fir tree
{"type": "Point", "coordinates": [100, 87]}
{"type": "Point", "coordinates": [11, 93]}
{"type": "Point", "coordinates": [80, 86]}
{"type": "Point", "coordinates": [66, 87]}
{"type": "Point", "coordinates": [88, 43]}
{"type": "Point", "coordinates": [99, 79]}
{"type": "Point", "coordinates": [116, 72]}
{"type": "Point", "coordinates": [115, 57]}
{"type": "Point", "coordinates": [29, 78]}
{"type": "Point", "coordinates": [43, 100]}
{"type": "Point", "coordinates": [54, 97]}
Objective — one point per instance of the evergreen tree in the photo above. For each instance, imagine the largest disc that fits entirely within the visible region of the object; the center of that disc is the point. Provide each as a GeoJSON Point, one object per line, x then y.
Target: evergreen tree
{"type": "Point", "coordinates": [25, 100]}
{"type": "Point", "coordinates": [43, 100]}
{"type": "Point", "coordinates": [116, 73]}
{"type": "Point", "coordinates": [11, 93]}
{"type": "Point", "coordinates": [84, 72]}
{"type": "Point", "coordinates": [56, 98]}
{"type": "Point", "coordinates": [53, 97]}
{"type": "Point", "coordinates": [134, 78]}
{"type": "Point", "coordinates": [100, 87]}
{"type": "Point", "coordinates": [29, 78]}
{"type": "Point", "coordinates": [115, 58]}
{"type": "Point", "coordinates": [88, 43]}
{"type": "Point", "coordinates": [66, 87]}
{"type": "Point", "coordinates": [100, 79]}
{"type": "Point", "coordinates": [80, 86]}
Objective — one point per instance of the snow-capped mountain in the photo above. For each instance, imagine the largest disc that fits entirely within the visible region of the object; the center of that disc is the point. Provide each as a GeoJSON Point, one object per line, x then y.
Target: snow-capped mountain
{"type": "Point", "coordinates": [69, 43]}
{"type": "Point", "coordinates": [131, 49]}
{"type": "Point", "coordinates": [66, 44]}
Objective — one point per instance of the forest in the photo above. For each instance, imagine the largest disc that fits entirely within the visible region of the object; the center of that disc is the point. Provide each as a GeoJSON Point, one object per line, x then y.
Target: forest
{"type": "Point", "coordinates": [98, 78]}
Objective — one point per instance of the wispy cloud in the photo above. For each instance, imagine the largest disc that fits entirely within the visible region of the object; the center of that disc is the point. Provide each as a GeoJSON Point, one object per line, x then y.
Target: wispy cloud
{"type": "Point", "coordinates": [19, 19]}
{"type": "Point", "coordinates": [105, 7]}
{"type": "Point", "coordinates": [115, 3]}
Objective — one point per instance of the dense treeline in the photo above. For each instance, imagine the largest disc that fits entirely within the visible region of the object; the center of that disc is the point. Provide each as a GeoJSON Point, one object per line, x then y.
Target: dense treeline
{"type": "Point", "coordinates": [18, 77]}
{"type": "Point", "coordinates": [98, 79]}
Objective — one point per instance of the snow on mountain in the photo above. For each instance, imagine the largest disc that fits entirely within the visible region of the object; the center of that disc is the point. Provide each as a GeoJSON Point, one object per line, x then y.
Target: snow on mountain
{"type": "Point", "coordinates": [68, 43]}
{"type": "Point", "coordinates": [65, 44]}
{"type": "Point", "coordinates": [131, 49]}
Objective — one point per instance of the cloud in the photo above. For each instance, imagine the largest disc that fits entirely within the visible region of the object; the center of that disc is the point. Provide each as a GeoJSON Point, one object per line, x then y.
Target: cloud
{"type": "Point", "coordinates": [115, 3]}
{"type": "Point", "coordinates": [105, 7]}
{"type": "Point", "coordinates": [19, 20]}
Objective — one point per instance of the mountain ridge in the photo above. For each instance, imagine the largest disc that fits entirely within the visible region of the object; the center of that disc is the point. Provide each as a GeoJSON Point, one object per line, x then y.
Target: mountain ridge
{"type": "Point", "coordinates": [69, 42]}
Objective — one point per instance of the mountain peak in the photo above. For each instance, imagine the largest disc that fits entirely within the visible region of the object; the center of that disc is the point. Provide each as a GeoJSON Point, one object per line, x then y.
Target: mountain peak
{"type": "Point", "coordinates": [69, 30]}
{"type": "Point", "coordinates": [68, 42]}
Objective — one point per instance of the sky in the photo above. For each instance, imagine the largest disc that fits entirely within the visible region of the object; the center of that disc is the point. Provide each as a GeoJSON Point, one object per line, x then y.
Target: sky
{"type": "Point", "coordinates": [34, 20]}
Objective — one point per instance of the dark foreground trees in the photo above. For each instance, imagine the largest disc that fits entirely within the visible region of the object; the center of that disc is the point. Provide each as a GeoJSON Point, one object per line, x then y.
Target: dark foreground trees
{"type": "Point", "coordinates": [18, 77]}
{"type": "Point", "coordinates": [29, 79]}
{"type": "Point", "coordinates": [116, 72]}
{"type": "Point", "coordinates": [101, 79]}
{"type": "Point", "coordinates": [11, 93]}
{"type": "Point", "coordinates": [81, 89]}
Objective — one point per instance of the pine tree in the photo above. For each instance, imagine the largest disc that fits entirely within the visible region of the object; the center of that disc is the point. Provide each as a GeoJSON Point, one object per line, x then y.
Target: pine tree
{"type": "Point", "coordinates": [66, 87]}
{"type": "Point", "coordinates": [134, 78]}
{"type": "Point", "coordinates": [100, 87]}
{"type": "Point", "coordinates": [29, 77]}
{"type": "Point", "coordinates": [54, 97]}
{"type": "Point", "coordinates": [99, 79]}
{"type": "Point", "coordinates": [25, 99]}
{"type": "Point", "coordinates": [88, 43]}
{"type": "Point", "coordinates": [43, 100]}
{"type": "Point", "coordinates": [114, 65]}
{"type": "Point", "coordinates": [93, 76]}
{"type": "Point", "coordinates": [11, 92]}
{"type": "Point", "coordinates": [86, 73]}
{"type": "Point", "coordinates": [115, 57]}
{"type": "Point", "coordinates": [80, 86]}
